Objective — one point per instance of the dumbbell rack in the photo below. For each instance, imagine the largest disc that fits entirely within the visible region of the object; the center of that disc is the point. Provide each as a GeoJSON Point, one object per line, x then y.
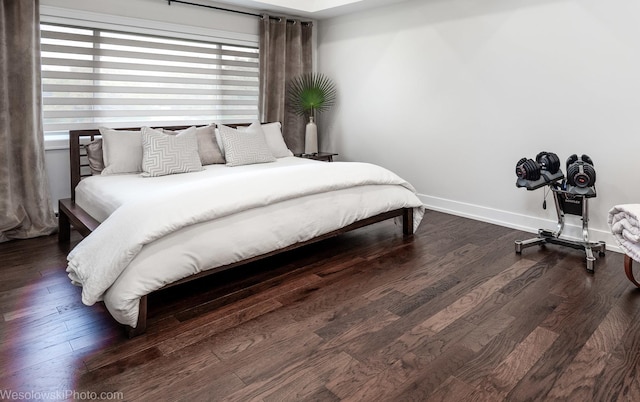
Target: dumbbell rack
{"type": "Point", "coordinates": [568, 200]}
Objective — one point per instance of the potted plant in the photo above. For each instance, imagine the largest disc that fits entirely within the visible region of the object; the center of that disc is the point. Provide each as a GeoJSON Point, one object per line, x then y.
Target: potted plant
{"type": "Point", "coordinates": [310, 94]}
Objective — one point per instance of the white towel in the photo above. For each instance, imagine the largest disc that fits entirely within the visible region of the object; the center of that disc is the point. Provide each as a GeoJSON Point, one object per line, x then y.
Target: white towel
{"type": "Point", "coordinates": [624, 221]}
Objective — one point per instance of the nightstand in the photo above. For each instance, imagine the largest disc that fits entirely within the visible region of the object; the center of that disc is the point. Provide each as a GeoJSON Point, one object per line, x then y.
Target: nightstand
{"type": "Point", "coordinates": [320, 156]}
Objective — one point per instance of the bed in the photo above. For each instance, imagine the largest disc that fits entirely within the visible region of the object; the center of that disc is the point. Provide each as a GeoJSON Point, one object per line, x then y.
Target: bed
{"type": "Point", "coordinates": [143, 234]}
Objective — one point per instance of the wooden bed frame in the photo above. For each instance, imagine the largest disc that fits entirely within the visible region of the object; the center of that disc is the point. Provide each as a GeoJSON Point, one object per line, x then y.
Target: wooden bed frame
{"type": "Point", "coordinates": [71, 215]}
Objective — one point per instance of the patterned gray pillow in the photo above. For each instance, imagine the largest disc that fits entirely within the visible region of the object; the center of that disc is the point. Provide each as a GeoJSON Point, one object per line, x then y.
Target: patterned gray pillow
{"type": "Point", "coordinates": [245, 147]}
{"type": "Point", "coordinates": [164, 154]}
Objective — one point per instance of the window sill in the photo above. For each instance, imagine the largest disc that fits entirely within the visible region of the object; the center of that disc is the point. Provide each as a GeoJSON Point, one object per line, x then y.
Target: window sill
{"type": "Point", "coordinates": [56, 142]}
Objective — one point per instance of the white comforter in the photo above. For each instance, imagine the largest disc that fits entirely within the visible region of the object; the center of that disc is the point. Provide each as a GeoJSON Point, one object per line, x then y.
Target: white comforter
{"type": "Point", "coordinates": [624, 221]}
{"type": "Point", "coordinates": [148, 243]}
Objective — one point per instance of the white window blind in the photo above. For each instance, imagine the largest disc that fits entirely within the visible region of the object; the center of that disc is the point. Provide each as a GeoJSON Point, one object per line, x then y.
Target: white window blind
{"type": "Point", "coordinates": [96, 77]}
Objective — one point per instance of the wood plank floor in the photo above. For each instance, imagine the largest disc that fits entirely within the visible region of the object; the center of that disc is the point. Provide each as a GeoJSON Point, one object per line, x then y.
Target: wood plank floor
{"type": "Point", "coordinates": [452, 314]}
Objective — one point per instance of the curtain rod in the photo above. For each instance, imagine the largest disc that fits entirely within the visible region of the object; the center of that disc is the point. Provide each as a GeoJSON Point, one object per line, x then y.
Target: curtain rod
{"type": "Point", "coordinates": [230, 10]}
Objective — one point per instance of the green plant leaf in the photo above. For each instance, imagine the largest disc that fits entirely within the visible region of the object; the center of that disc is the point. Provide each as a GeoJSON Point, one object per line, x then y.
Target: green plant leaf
{"type": "Point", "coordinates": [311, 93]}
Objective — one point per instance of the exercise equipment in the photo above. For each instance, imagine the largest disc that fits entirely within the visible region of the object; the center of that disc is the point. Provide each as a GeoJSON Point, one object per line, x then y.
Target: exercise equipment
{"type": "Point", "coordinates": [571, 196]}
{"type": "Point", "coordinates": [580, 171]}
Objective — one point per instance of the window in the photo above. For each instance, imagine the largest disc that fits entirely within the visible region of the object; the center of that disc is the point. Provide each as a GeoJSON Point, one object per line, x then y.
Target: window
{"type": "Point", "coordinates": [97, 77]}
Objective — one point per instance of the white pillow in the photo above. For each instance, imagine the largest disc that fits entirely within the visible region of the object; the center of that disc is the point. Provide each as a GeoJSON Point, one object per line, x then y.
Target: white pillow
{"type": "Point", "coordinates": [122, 151]}
{"type": "Point", "coordinates": [245, 147]}
{"type": "Point", "coordinates": [275, 141]}
{"type": "Point", "coordinates": [208, 148]}
{"type": "Point", "coordinates": [164, 154]}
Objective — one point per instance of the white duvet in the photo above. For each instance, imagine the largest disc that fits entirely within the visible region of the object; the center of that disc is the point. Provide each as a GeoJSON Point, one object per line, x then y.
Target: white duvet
{"type": "Point", "coordinates": [147, 243]}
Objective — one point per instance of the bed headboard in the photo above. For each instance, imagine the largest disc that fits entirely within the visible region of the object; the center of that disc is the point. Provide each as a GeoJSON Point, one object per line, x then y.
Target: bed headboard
{"type": "Point", "coordinates": [78, 162]}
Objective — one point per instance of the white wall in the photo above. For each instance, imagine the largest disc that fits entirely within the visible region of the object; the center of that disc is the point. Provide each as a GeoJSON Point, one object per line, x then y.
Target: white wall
{"type": "Point", "coordinates": [57, 155]}
{"type": "Point", "coordinates": [449, 94]}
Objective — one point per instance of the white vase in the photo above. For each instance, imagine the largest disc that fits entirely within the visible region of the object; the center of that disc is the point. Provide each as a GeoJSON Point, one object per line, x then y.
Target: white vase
{"type": "Point", "coordinates": [311, 137]}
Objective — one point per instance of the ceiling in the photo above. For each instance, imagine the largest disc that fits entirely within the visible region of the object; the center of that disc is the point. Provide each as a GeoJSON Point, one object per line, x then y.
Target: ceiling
{"type": "Point", "coordinates": [313, 9]}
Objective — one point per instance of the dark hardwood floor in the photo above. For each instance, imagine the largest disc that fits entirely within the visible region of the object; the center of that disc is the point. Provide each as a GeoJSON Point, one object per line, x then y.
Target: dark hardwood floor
{"type": "Point", "coordinates": [452, 314]}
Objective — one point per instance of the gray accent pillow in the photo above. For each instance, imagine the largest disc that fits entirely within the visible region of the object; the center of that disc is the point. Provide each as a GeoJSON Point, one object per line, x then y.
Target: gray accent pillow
{"type": "Point", "coordinates": [164, 154]}
{"type": "Point", "coordinates": [275, 141]}
{"type": "Point", "coordinates": [245, 147]}
{"type": "Point", "coordinates": [218, 139]}
{"type": "Point", "coordinates": [122, 151]}
{"type": "Point", "coordinates": [94, 155]}
{"type": "Point", "coordinates": [208, 148]}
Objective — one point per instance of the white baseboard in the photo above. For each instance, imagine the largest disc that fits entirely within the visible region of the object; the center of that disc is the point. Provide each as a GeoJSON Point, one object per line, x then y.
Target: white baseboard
{"type": "Point", "coordinates": [513, 220]}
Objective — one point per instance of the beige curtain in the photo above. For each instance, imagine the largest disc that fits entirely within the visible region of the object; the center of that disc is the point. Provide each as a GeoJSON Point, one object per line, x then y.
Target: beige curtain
{"type": "Point", "coordinates": [285, 51]}
{"type": "Point", "coordinates": [25, 208]}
